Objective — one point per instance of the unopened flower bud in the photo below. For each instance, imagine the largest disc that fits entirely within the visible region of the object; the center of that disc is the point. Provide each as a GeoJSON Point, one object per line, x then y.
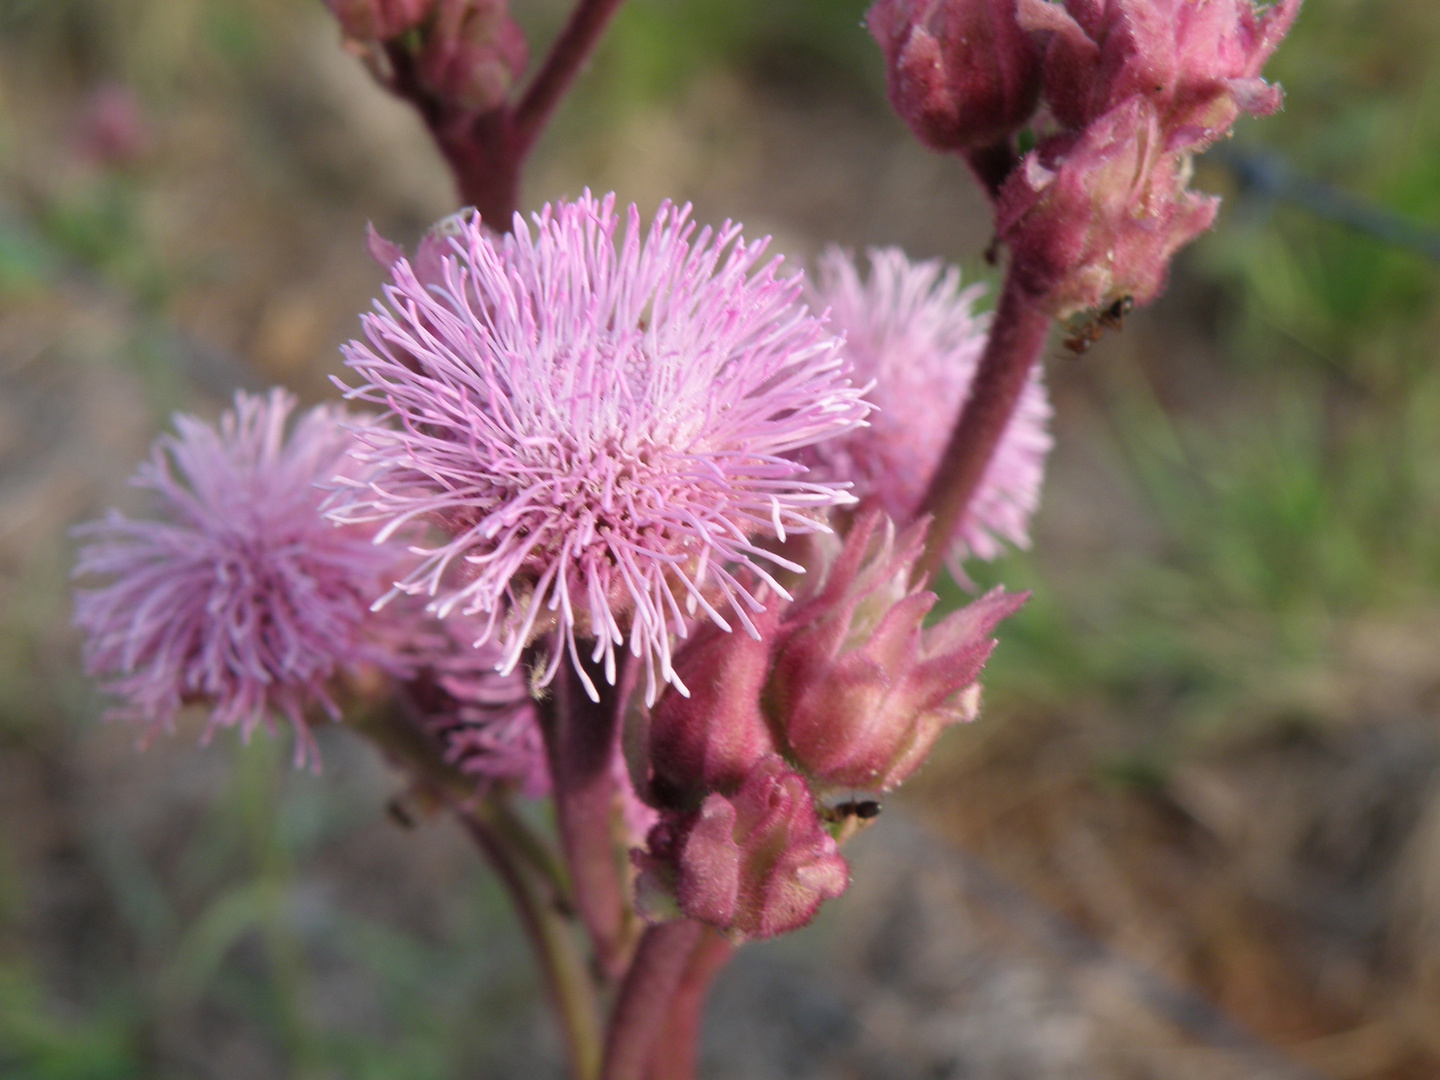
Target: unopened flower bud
{"type": "Point", "coordinates": [1095, 218]}
{"type": "Point", "coordinates": [861, 689]}
{"type": "Point", "coordinates": [473, 54]}
{"type": "Point", "coordinates": [710, 740]}
{"type": "Point", "coordinates": [753, 864]}
{"type": "Point", "coordinates": [961, 73]}
{"type": "Point", "coordinates": [378, 20]}
{"type": "Point", "coordinates": [1198, 65]}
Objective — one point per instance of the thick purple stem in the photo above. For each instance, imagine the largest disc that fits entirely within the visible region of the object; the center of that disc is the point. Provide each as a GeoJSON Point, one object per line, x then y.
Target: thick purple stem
{"type": "Point", "coordinates": [677, 1049]}
{"type": "Point", "coordinates": [581, 740]}
{"type": "Point", "coordinates": [646, 996]}
{"type": "Point", "coordinates": [568, 54]}
{"type": "Point", "coordinates": [1017, 337]}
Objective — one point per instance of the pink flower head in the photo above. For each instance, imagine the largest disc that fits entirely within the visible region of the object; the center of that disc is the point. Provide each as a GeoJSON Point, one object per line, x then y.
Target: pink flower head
{"type": "Point", "coordinates": [1197, 63]}
{"type": "Point", "coordinates": [911, 332]}
{"type": "Point", "coordinates": [378, 20]}
{"type": "Point", "coordinates": [861, 688]}
{"type": "Point", "coordinates": [962, 73]}
{"type": "Point", "coordinates": [753, 864]}
{"type": "Point", "coordinates": [486, 721]}
{"type": "Point", "coordinates": [473, 53]}
{"type": "Point", "coordinates": [240, 594]}
{"type": "Point", "coordinates": [1096, 217]}
{"type": "Point", "coordinates": [601, 433]}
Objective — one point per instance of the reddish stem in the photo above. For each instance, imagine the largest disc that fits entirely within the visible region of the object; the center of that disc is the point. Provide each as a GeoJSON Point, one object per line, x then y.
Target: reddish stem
{"type": "Point", "coordinates": [1017, 337]}
{"type": "Point", "coordinates": [567, 55]}
{"type": "Point", "coordinates": [677, 1050]}
{"type": "Point", "coordinates": [645, 998]}
{"type": "Point", "coordinates": [581, 739]}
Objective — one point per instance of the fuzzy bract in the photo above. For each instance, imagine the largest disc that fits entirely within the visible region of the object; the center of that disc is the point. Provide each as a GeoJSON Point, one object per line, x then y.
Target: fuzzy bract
{"type": "Point", "coordinates": [599, 426]}
{"type": "Point", "coordinates": [238, 594]}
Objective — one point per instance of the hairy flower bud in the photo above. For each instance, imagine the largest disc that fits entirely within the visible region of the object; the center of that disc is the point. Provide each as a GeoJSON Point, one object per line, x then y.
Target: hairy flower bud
{"type": "Point", "coordinates": [961, 73]}
{"type": "Point", "coordinates": [378, 20]}
{"type": "Point", "coordinates": [710, 740]}
{"type": "Point", "coordinates": [473, 54]}
{"type": "Point", "coordinates": [1097, 217]}
{"type": "Point", "coordinates": [861, 689]}
{"type": "Point", "coordinates": [1197, 64]}
{"type": "Point", "coordinates": [753, 864]}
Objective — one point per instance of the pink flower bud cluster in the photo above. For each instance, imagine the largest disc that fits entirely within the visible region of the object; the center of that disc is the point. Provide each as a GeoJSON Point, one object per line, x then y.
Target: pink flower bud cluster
{"type": "Point", "coordinates": [467, 54]}
{"type": "Point", "coordinates": [1131, 90]}
{"type": "Point", "coordinates": [846, 690]}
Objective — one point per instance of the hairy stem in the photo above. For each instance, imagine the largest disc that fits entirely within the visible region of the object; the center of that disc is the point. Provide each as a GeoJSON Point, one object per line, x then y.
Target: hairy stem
{"type": "Point", "coordinates": [581, 740]}
{"type": "Point", "coordinates": [645, 997]}
{"type": "Point", "coordinates": [1017, 337]}
{"type": "Point", "coordinates": [524, 863]}
{"type": "Point", "coordinates": [567, 55]}
{"type": "Point", "coordinates": [677, 1049]}
{"type": "Point", "coordinates": [566, 979]}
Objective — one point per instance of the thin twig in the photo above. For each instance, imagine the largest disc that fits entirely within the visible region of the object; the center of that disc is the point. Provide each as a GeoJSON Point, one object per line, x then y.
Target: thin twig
{"type": "Point", "coordinates": [567, 55]}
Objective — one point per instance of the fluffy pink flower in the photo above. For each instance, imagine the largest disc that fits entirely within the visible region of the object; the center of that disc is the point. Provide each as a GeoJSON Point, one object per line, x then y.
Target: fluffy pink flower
{"type": "Point", "coordinates": [911, 331]}
{"type": "Point", "coordinates": [602, 433]}
{"type": "Point", "coordinates": [240, 595]}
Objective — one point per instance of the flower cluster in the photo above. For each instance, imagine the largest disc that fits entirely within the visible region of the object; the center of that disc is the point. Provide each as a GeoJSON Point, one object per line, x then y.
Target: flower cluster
{"type": "Point", "coordinates": [602, 433]}
{"type": "Point", "coordinates": [239, 595]}
{"type": "Point", "coordinates": [1132, 89]}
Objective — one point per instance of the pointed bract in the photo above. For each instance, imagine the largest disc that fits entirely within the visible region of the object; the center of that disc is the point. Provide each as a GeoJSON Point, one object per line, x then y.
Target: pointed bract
{"type": "Point", "coordinates": [861, 688]}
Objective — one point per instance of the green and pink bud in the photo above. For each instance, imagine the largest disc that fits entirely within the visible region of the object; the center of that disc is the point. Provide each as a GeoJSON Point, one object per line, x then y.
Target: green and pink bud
{"type": "Point", "coordinates": [753, 864]}
{"type": "Point", "coordinates": [961, 73]}
{"type": "Point", "coordinates": [711, 739]}
{"type": "Point", "coordinates": [473, 54]}
{"type": "Point", "coordinates": [861, 689]}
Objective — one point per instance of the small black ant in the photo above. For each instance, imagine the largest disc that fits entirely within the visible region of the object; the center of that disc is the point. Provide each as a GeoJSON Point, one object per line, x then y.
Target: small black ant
{"type": "Point", "coordinates": [1112, 317]}
{"type": "Point", "coordinates": [861, 809]}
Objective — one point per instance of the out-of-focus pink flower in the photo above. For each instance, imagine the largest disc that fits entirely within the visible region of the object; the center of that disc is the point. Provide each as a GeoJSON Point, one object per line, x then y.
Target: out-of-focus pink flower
{"type": "Point", "coordinates": [861, 688]}
{"type": "Point", "coordinates": [710, 740]}
{"type": "Point", "coordinates": [962, 73]}
{"type": "Point", "coordinates": [473, 54]}
{"type": "Point", "coordinates": [486, 721]}
{"type": "Point", "coordinates": [1095, 217]}
{"type": "Point", "coordinates": [114, 131]}
{"type": "Point", "coordinates": [602, 432]}
{"type": "Point", "coordinates": [240, 595]}
{"type": "Point", "coordinates": [911, 332]}
{"type": "Point", "coordinates": [752, 864]}
{"type": "Point", "coordinates": [1197, 64]}
{"type": "Point", "coordinates": [378, 20]}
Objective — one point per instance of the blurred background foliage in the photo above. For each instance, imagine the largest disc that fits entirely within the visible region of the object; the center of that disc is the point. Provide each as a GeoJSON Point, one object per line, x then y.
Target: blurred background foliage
{"type": "Point", "coordinates": [1222, 694]}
